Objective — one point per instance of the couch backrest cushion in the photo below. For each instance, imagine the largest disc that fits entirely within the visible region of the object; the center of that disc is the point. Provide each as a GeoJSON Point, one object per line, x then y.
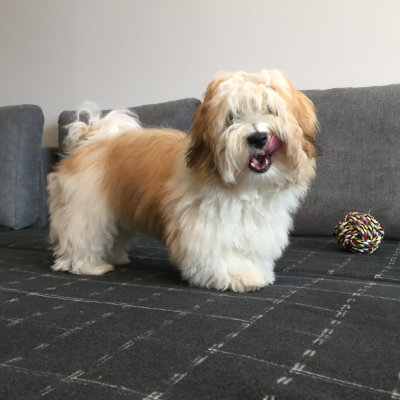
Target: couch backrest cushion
{"type": "Point", "coordinates": [176, 114]}
{"type": "Point", "coordinates": [360, 166]}
{"type": "Point", "coordinates": [21, 129]}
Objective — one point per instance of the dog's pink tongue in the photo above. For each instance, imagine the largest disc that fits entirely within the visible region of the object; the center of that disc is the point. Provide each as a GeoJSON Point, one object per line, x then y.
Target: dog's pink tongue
{"type": "Point", "coordinates": [262, 162]}
{"type": "Point", "coordinates": [274, 144]}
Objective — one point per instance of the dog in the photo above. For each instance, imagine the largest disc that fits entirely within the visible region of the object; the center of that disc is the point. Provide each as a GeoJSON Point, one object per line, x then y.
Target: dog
{"type": "Point", "coordinates": [221, 197]}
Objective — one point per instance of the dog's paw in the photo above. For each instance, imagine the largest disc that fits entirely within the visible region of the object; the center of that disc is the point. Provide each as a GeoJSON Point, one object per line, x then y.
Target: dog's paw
{"type": "Point", "coordinates": [88, 269]}
{"type": "Point", "coordinates": [61, 265]}
{"type": "Point", "coordinates": [247, 282]}
{"type": "Point", "coordinates": [120, 259]}
{"type": "Point", "coordinates": [239, 279]}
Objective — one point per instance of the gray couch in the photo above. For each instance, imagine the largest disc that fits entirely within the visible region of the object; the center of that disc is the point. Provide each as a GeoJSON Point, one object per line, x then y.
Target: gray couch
{"type": "Point", "coordinates": [328, 329]}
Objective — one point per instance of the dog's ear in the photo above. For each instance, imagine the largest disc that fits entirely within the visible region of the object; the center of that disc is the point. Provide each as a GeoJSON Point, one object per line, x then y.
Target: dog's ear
{"type": "Point", "coordinates": [304, 111]}
{"type": "Point", "coordinates": [198, 149]}
{"type": "Point", "coordinates": [201, 134]}
{"type": "Point", "coordinates": [306, 116]}
{"type": "Point", "coordinates": [195, 152]}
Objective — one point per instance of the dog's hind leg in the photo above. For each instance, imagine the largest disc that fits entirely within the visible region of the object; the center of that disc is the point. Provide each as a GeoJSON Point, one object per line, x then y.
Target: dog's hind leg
{"type": "Point", "coordinates": [82, 230]}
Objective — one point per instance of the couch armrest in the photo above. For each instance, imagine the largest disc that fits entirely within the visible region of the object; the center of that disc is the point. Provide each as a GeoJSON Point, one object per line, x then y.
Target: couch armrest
{"type": "Point", "coordinates": [21, 129]}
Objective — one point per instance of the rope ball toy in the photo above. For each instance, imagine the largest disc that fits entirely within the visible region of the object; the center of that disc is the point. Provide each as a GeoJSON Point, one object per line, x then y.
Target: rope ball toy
{"type": "Point", "coordinates": [359, 233]}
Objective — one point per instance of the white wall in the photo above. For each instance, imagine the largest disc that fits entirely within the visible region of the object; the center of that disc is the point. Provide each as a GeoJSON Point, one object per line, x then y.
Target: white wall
{"type": "Point", "coordinates": [121, 53]}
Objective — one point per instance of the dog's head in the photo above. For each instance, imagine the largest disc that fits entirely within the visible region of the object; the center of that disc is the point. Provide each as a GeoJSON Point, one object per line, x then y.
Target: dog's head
{"type": "Point", "coordinates": [254, 125]}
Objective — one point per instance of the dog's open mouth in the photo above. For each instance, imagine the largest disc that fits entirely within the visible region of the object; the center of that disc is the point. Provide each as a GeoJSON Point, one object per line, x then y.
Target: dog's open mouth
{"type": "Point", "coordinates": [260, 163]}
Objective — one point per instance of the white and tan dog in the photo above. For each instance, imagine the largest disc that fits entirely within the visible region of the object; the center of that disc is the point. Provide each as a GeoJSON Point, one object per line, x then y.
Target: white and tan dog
{"type": "Point", "coordinates": [221, 198]}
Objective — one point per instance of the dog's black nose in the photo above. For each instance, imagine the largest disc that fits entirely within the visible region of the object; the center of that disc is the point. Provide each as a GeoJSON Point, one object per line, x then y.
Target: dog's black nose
{"type": "Point", "coordinates": [258, 140]}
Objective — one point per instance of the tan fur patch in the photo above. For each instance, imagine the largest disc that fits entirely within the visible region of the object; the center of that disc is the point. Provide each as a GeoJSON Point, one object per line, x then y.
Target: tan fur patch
{"type": "Point", "coordinates": [203, 136]}
{"type": "Point", "coordinates": [137, 168]}
{"type": "Point", "coordinates": [303, 109]}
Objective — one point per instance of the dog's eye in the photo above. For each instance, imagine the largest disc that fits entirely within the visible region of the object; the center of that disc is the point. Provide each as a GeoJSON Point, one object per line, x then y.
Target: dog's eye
{"type": "Point", "coordinates": [271, 111]}
{"type": "Point", "coordinates": [229, 118]}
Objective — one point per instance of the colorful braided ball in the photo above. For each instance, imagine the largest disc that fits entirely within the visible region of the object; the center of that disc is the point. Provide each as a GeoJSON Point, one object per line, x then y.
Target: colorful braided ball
{"type": "Point", "coordinates": [359, 233]}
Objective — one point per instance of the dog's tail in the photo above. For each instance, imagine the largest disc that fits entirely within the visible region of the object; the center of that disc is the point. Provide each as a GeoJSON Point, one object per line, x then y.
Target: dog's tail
{"type": "Point", "coordinates": [91, 126]}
